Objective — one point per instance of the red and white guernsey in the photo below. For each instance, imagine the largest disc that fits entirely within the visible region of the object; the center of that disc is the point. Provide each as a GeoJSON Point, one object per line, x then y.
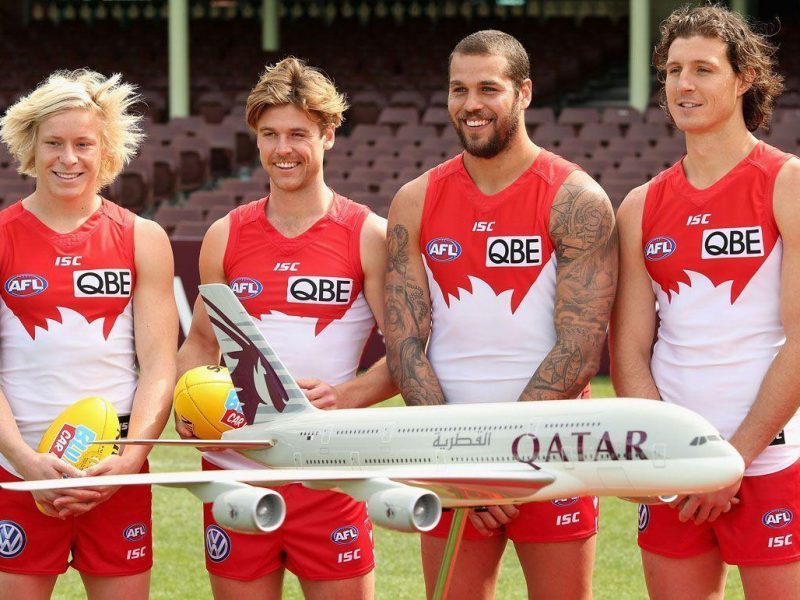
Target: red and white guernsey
{"type": "Point", "coordinates": [66, 321]}
{"type": "Point", "coordinates": [304, 293]}
{"type": "Point", "coordinates": [714, 257]}
{"type": "Point", "coordinates": [491, 269]}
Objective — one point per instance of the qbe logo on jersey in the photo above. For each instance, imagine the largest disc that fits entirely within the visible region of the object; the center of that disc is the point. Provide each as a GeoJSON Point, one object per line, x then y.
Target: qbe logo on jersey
{"type": "Point", "coordinates": [514, 251]}
{"type": "Point", "coordinates": [313, 289]}
{"type": "Point", "coordinates": [102, 283]}
{"type": "Point", "coordinates": [734, 242]}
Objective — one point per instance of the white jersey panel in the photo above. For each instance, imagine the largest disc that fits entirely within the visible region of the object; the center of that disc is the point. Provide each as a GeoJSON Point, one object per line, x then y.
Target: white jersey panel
{"type": "Point", "coordinates": [479, 329]}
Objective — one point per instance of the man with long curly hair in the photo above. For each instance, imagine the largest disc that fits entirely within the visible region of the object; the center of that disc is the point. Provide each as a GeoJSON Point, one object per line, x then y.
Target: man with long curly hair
{"type": "Point", "coordinates": [711, 246]}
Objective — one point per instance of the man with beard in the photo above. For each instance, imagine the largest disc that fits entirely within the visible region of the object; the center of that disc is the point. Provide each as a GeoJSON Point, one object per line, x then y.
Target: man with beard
{"type": "Point", "coordinates": [506, 258]}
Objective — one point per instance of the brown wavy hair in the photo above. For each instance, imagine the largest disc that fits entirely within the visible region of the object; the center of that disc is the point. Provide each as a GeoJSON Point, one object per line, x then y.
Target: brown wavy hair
{"type": "Point", "coordinates": [292, 81]}
{"type": "Point", "coordinates": [746, 49]}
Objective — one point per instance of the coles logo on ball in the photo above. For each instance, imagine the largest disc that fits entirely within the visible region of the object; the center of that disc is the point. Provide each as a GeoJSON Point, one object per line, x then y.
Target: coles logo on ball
{"type": "Point", "coordinates": [218, 544]}
{"type": "Point", "coordinates": [234, 414]}
{"type": "Point", "coordinates": [12, 539]}
{"type": "Point", "coordinates": [777, 518]}
{"type": "Point", "coordinates": [345, 535]}
{"type": "Point", "coordinates": [135, 532]}
{"type": "Point", "coordinates": [25, 285]}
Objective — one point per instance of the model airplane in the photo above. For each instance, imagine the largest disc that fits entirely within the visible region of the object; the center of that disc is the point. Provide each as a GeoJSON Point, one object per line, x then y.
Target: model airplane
{"type": "Point", "coordinates": [408, 463]}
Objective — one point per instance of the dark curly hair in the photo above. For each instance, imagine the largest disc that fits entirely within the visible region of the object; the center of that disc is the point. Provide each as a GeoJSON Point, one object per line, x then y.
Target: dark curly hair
{"type": "Point", "coordinates": [746, 49]}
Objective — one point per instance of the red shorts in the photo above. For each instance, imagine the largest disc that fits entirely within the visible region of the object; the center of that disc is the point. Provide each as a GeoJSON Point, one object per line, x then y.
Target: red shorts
{"type": "Point", "coordinates": [326, 536]}
{"type": "Point", "coordinates": [562, 520]}
{"type": "Point", "coordinates": [112, 540]}
{"type": "Point", "coordinates": [763, 529]}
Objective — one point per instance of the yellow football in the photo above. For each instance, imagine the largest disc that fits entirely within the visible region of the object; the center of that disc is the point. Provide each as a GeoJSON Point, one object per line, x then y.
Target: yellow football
{"type": "Point", "coordinates": [206, 402]}
{"type": "Point", "coordinates": [71, 435]}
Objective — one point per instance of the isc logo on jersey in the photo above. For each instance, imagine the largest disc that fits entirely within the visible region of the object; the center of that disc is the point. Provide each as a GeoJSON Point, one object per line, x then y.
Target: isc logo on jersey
{"type": "Point", "coordinates": [659, 248]}
{"type": "Point", "coordinates": [734, 242]}
{"type": "Point", "coordinates": [102, 283]}
{"type": "Point", "coordinates": [312, 289]}
{"type": "Point", "coordinates": [246, 288]}
{"type": "Point", "coordinates": [25, 285]}
{"type": "Point", "coordinates": [514, 251]}
{"type": "Point", "coordinates": [443, 249]}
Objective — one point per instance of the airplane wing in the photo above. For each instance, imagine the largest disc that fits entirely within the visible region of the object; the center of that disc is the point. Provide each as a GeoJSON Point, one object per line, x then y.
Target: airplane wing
{"type": "Point", "coordinates": [194, 443]}
{"type": "Point", "coordinates": [455, 485]}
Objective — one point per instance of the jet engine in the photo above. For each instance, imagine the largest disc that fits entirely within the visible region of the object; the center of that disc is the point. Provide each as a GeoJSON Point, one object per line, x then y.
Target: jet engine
{"type": "Point", "coordinates": [405, 509]}
{"type": "Point", "coordinates": [249, 510]}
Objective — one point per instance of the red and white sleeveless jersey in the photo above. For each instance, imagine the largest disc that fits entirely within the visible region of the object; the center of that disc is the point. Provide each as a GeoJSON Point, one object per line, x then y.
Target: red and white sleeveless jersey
{"type": "Point", "coordinates": [304, 293]}
{"type": "Point", "coordinates": [66, 320]}
{"type": "Point", "coordinates": [714, 257]}
{"type": "Point", "coordinates": [491, 269]}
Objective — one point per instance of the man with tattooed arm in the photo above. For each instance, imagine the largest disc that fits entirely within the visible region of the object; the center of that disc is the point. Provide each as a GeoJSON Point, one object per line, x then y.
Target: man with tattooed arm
{"type": "Point", "coordinates": [503, 266]}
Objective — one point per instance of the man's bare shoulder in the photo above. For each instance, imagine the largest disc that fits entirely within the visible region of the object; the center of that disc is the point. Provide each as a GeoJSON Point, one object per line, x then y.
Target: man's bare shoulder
{"type": "Point", "coordinates": [581, 214]}
{"type": "Point", "coordinates": [374, 230]}
{"type": "Point", "coordinates": [411, 196]}
{"type": "Point", "coordinates": [632, 207]}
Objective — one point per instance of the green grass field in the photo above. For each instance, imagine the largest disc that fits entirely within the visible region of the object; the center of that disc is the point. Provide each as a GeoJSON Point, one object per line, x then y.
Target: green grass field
{"type": "Point", "coordinates": [179, 571]}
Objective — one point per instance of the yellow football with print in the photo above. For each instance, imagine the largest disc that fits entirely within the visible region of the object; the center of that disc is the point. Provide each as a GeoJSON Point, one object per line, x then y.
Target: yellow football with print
{"type": "Point", "coordinates": [206, 402]}
{"type": "Point", "coordinates": [71, 434]}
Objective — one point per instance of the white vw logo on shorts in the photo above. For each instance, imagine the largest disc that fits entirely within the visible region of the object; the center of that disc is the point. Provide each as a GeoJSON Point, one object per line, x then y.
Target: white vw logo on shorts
{"type": "Point", "coordinates": [12, 539]}
{"type": "Point", "coordinates": [218, 544]}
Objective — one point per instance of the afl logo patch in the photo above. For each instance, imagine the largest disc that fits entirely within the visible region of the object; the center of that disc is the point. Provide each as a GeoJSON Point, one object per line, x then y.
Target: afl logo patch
{"type": "Point", "coordinates": [443, 249]}
{"type": "Point", "coordinates": [644, 517]}
{"type": "Point", "coordinates": [246, 288]}
{"type": "Point", "coordinates": [777, 518]}
{"type": "Point", "coordinates": [345, 535]}
{"type": "Point", "coordinates": [218, 544]}
{"type": "Point", "coordinates": [12, 539]}
{"type": "Point", "coordinates": [135, 532]}
{"type": "Point", "coordinates": [25, 285]}
{"type": "Point", "coordinates": [659, 248]}
{"type": "Point", "coordinates": [565, 501]}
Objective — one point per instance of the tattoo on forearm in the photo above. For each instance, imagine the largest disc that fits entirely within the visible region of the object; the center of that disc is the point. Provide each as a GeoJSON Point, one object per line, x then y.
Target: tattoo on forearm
{"type": "Point", "coordinates": [582, 226]}
{"type": "Point", "coordinates": [407, 325]}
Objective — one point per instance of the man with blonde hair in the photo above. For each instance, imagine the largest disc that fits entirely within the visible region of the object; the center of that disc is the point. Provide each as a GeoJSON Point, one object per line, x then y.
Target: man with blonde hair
{"type": "Point", "coordinates": [711, 246]}
{"type": "Point", "coordinates": [278, 254]}
{"type": "Point", "coordinates": [101, 304]}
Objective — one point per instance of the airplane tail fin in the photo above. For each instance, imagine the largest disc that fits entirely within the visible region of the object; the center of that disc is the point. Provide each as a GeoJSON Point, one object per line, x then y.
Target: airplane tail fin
{"type": "Point", "coordinates": [264, 386]}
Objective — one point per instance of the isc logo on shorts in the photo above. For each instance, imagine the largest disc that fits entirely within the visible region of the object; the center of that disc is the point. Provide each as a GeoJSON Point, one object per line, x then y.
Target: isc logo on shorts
{"type": "Point", "coordinates": [735, 242]}
{"type": "Point", "coordinates": [246, 287]}
{"type": "Point", "coordinates": [345, 535]}
{"type": "Point", "coordinates": [514, 251]}
{"type": "Point", "coordinates": [102, 283]}
{"type": "Point", "coordinates": [218, 544]}
{"type": "Point", "coordinates": [777, 518]}
{"type": "Point", "coordinates": [25, 285]}
{"type": "Point", "coordinates": [12, 539]}
{"type": "Point", "coordinates": [319, 290]}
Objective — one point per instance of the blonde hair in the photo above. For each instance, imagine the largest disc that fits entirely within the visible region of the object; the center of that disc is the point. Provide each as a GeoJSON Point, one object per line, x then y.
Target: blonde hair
{"type": "Point", "coordinates": [109, 98]}
{"type": "Point", "coordinates": [292, 81]}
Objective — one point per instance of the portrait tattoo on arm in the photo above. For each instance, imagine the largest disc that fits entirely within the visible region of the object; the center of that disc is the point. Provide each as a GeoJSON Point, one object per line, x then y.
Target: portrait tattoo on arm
{"type": "Point", "coordinates": [407, 324]}
{"type": "Point", "coordinates": [583, 229]}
